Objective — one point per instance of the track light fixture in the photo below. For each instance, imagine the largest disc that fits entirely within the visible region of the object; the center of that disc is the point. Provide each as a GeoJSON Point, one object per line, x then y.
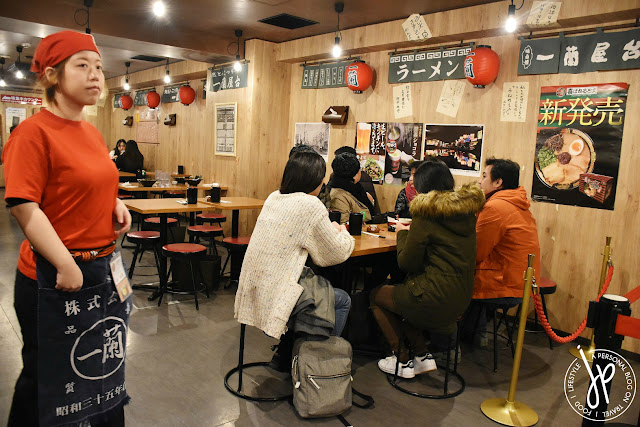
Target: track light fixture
{"type": "Point", "coordinates": [18, 64]}
{"type": "Point", "coordinates": [511, 24]}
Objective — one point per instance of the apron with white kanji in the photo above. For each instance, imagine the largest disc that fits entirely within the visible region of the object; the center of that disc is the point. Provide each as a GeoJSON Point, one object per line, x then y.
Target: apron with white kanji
{"type": "Point", "coordinates": [82, 340]}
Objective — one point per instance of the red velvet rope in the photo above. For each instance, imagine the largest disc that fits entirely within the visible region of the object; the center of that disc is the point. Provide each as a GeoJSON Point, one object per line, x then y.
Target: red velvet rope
{"type": "Point", "coordinates": [537, 302]}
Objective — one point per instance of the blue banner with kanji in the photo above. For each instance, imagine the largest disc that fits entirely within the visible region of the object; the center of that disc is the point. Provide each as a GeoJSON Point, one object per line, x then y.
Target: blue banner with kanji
{"type": "Point", "coordinates": [578, 144]}
{"type": "Point", "coordinates": [82, 340]}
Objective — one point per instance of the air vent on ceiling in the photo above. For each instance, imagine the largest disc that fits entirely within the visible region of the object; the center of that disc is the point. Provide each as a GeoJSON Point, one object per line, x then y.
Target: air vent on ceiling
{"type": "Point", "coordinates": [290, 22]}
{"type": "Point", "coordinates": [148, 58]}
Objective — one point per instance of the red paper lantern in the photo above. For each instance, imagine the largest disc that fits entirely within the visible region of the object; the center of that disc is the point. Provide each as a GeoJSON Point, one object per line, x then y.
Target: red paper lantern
{"type": "Point", "coordinates": [481, 66]}
{"type": "Point", "coordinates": [358, 76]}
{"type": "Point", "coordinates": [126, 102]}
{"type": "Point", "coordinates": [153, 99]}
{"type": "Point", "coordinates": [186, 94]}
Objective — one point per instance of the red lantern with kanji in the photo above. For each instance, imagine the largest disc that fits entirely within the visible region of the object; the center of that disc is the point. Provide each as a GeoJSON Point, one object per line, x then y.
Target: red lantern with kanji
{"type": "Point", "coordinates": [481, 66]}
{"type": "Point", "coordinates": [186, 94]}
{"type": "Point", "coordinates": [358, 76]}
{"type": "Point", "coordinates": [126, 102]}
{"type": "Point", "coordinates": [153, 99]}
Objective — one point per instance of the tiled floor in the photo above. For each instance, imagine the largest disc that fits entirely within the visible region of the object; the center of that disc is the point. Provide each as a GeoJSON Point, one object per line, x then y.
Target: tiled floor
{"type": "Point", "coordinates": [177, 358]}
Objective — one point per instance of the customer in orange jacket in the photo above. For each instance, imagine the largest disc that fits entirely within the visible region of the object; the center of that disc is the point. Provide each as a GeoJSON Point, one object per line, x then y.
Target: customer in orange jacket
{"type": "Point", "coordinates": [506, 233]}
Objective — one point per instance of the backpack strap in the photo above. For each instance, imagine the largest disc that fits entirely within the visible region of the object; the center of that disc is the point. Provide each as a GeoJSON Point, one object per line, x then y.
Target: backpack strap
{"type": "Point", "coordinates": [344, 421]}
{"type": "Point", "coordinates": [368, 399]}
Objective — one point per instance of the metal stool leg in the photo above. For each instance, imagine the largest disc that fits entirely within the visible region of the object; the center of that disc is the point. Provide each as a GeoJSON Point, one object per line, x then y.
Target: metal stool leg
{"type": "Point", "coordinates": [495, 341]}
{"type": "Point", "coordinates": [133, 261]}
{"type": "Point", "coordinates": [193, 279]}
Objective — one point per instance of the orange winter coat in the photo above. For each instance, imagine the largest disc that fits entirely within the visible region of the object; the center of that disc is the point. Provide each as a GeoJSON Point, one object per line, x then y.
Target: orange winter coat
{"type": "Point", "coordinates": [506, 233]}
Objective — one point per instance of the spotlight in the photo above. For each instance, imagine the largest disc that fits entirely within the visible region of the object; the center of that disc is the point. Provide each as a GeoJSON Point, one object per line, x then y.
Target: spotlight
{"type": "Point", "coordinates": [167, 77]}
{"type": "Point", "coordinates": [127, 86]}
{"type": "Point", "coordinates": [511, 23]}
{"type": "Point", "coordinates": [19, 74]}
{"type": "Point", "coordinates": [236, 65]}
{"type": "Point", "coordinates": [2, 82]}
{"type": "Point", "coordinates": [159, 9]}
{"type": "Point", "coordinates": [337, 50]}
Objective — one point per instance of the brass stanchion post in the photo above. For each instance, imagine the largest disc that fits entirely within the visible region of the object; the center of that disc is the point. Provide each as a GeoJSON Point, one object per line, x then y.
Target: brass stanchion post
{"type": "Point", "coordinates": [606, 262]}
{"type": "Point", "coordinates": [508, 411]}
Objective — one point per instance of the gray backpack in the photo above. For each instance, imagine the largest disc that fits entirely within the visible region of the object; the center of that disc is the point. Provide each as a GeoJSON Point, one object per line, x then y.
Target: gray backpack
{"type": "Point", "coordinates": [321, 373]}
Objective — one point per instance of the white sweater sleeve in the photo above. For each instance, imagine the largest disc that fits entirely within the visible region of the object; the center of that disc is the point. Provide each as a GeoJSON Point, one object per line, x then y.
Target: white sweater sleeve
{"type": "Point", "coordinates": [326, 245]}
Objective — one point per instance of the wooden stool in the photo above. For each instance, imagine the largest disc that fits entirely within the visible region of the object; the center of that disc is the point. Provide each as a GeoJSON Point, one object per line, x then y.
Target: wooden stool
{"type": "Point", "coordinates": [240, 367]}
{"type": "Point", "coordinates": [208, 231]}
{"type": "Point", "coordinates": [143, 240]}
{"type": "Point", "coordinates": [236, 247]}
{"type": "Point", "coordinates": [210, 217]}
{"type": "Point", "coordinates": [190, 252]}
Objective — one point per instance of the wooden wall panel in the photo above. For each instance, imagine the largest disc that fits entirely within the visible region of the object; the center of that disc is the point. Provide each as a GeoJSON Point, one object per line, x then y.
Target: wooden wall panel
{"type": "Point", "coordinates": [571, 238]}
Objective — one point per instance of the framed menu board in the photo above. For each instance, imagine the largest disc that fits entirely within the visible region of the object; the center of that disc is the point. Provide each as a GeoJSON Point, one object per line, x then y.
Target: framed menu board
{"type": "Point", "coordinates": [225, 129]}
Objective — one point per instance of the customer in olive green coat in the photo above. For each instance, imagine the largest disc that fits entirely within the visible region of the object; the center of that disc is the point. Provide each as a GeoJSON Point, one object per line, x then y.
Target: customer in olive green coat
{"type": "Point", "coordinates": [438, 252]}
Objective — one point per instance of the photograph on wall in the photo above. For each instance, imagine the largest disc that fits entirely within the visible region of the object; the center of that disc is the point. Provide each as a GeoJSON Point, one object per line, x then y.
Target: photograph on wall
{"type": "Point", "coordinates": [315, 135]}
{"type": "Point", "coordinates": [387, 149]}
{"type": "Point", "coordinates": [15, 116]}
{"type": "Point", "coordinates": [578, 144]}
{"type": "Point", "coordinates": [225, 129]}
{"type": "Point", "coordinates": [459, 146]}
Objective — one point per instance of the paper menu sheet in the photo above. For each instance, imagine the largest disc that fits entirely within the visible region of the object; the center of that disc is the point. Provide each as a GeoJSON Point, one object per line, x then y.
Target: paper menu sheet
{"type": "Point", "coordinates": [543, 13]}
{"type": "Point", "coordinates": [402, 104]}
{"type": "Point", "coordinates": [450, 97]}
{"type": "Point", "coordinates": [514, 102]}
{"type": "Point", "coordinates": [416, 28]}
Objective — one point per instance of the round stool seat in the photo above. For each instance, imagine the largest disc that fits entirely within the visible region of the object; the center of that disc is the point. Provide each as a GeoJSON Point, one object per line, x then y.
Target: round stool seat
{"type": "Point", "coordinates": [211, 217]}
{"type": "Point", "coordinates": [142, 236]}
{"type": "Point", "coordinates": [546, 286]}
{"type": "Point", "coordinates": [240, 241]}
{"type": "Point", "coordinates": [125, 196]}
{"type": "Point", "coordinates": [156, 220]}
{"type": "Point", "coordinates": [174, 193]}
{"type": "Point", "coordinates": [183, 250]}
{"type": "Point", "coordinates": [204, 229]}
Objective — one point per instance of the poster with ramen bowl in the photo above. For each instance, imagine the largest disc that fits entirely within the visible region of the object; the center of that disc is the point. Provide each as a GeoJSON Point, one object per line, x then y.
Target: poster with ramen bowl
{"type": "Point", "coordinates": [578, 144]}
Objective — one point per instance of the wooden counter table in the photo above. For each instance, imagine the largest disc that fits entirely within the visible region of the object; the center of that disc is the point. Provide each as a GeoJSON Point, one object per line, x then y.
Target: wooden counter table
{"type": "Point", "coordinates": [369, 245]}
{"type": "Point", "coordinates": [124, 174]}
{"type": "Point", "coordinates": [234, 204]}
{"type": "Point", "coordinates": [137, 187]}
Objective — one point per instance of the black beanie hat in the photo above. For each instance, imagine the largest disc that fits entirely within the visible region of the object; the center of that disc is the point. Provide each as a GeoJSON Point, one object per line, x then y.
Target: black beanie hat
{"type": "Point", "coordinates": [345, 165]}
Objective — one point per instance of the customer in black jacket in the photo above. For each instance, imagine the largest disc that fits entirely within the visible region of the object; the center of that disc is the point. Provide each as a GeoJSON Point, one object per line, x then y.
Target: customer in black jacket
{"type": "Point", "coordinates": [132, 159]}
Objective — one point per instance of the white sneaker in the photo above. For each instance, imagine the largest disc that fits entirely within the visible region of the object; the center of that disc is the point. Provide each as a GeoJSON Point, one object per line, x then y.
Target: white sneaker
{"type": "Point", "coordinates": [388, 365]}
{"type": "Point", "coordinates": [422, 364]}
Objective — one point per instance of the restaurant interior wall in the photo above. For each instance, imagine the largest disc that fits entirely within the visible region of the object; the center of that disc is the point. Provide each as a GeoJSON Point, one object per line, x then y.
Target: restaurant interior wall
{"type": "Point", "coordinates": [571, 238]}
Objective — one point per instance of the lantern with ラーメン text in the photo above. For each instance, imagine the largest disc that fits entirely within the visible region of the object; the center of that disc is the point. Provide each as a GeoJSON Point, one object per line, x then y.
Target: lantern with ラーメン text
{"type": "Point", "coordinates": [481, 66]}
{"type": "Point", "coordinates": [126, 102]}
{"type": "Point", "coordinates": [358, 76]}
{"type": "Point", "coordinates": [186, 94]}
{"type": "Point", "coordinates": [153, 99]}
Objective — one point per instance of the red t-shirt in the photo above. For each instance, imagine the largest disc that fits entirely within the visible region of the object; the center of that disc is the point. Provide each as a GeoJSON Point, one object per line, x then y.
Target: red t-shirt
{"type": "Point", "coordinates": [64, 166]}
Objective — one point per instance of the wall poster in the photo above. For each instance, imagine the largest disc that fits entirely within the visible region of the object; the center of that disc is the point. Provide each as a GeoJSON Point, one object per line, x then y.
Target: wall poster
{"type": "Point", "coordinates": [578, 144]}
{"type": "Point", "coordinates": [225, 129]}
{"type": "Point", "coordinates": [315, 135]}
{"type": "Point", "coordinates": [386, 150]}
{"type": "Point", "coordinates": [15, 116]}
{"type": "Point", "coordinates": [459, 146]}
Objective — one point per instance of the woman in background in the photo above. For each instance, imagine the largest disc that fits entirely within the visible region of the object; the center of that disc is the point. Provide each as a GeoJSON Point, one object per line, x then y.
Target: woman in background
{"type": "Point", "coordinates": [132, 160]}
{"type": "Point", "coordinates": [118, 150]}
{"type": "Point", "coordinates": [407, 194]}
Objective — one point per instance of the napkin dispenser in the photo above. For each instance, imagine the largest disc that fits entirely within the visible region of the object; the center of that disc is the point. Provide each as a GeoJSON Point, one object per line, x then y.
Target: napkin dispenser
{"type": "Point", "coordinates": [336, 115]}
{"type": "Point", "coordinates": [128, 121]}
{"type": "Point", "coordinates": [170, 120]}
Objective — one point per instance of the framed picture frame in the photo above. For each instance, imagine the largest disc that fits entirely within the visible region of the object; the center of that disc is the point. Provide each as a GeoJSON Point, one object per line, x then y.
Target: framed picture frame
{"type": "Point", "coordinates": [225, 128]}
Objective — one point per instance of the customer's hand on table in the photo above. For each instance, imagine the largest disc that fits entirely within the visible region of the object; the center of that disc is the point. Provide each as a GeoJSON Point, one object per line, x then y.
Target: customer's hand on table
{"type": "Point", "coordinates": [400, 226]}
{"type": "Point", "coordinates": [123, 217]}
{"type": "Point", "coordinates": [338, 226]}
{"type": "Point", "coordinates": [69, 277]}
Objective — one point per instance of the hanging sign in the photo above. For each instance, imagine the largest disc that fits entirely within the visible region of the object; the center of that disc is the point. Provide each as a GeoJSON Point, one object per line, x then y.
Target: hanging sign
{"type": "Point", "coordinates": [170, 94]}
{"type": "Point", "coordinates": [544, 13]}
{"type": "Point", "coordinates": [19, 99]}
{"type": "Point", "coordinates": [324, 76]}
{"type": "Point", "coordinates": [116, 99]}
{"type": "Point", "coordinates": [226, 78]}
{"type": "Point", "coordinates": [446, 64]}
{"type": "Point", "coordinates": [578, 144]}
{"type": "Point", "coordinates": [580, 54]}
{"type": "Point", "coordinates": [514, 102]}
{"type": "Point", "coordinates": [416, 28]}
{"type": "Point", "coordinates": [141, 97]}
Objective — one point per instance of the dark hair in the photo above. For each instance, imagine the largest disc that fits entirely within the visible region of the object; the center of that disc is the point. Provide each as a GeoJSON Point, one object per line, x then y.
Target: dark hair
{"type": "Point", "coordinates": [415, 165]}
{"type": "Point", "coordinates": [345, 149]}
{"type": "Point", "coordinates": [507, 170]}
{"type": "Point", "coordinates": [132, 159]}
{"type": "Point", "coordinates": [303, 173]}
{"type": "Point", "coordinates": [301, 148]}
{"type": "Point", "coordinates": [433, 175]}
{"type": "Point", "coordinates": [115, 150]}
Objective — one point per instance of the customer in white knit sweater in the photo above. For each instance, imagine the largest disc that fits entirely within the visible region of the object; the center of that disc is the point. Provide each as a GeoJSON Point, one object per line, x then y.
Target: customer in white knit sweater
{"type": "Point", "coordinates": [293, 224]}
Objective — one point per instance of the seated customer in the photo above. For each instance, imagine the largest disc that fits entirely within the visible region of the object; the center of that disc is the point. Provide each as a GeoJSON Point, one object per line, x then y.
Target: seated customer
{"type": "Point", "coordinates": [407, 194]}
{"type": "Point", "coordinates": [365, 180]}
{"type": "Point", "coordinates": [438, 252]}
{"type": "Point", "coordinates": [507, 233]}
{"type": "Point", "coordinates": [132, 159]}
{"type": "Point", "coordinates": [346, 195]}
{"type": "Point", "coordinates": [293, 223]}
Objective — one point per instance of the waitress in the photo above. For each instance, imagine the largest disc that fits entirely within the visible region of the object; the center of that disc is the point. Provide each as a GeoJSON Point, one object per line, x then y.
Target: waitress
{"type": "Point", "coordinates": [62, 188]}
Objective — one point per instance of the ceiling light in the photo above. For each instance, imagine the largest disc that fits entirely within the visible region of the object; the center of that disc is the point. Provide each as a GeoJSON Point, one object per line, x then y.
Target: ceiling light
{"type": "Point", "coordinates": [511, 23]}
{"type": "Point", "coordinates": [127, 86]}
{"type": "Point", "coordinates": [167, 77]}
{"type": "Point", "coordinates": [237, 66]}
{"type": "Point", "coordinates": [18, 64]}
{"type": "Point", "coordinates": [2, 82]}
{"type": "Point", "coordinates": [337, 50]}
{"type": "Point", "coordinates": [19, 74]}
{"type": "Point", "coordinates": [158, 8]}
